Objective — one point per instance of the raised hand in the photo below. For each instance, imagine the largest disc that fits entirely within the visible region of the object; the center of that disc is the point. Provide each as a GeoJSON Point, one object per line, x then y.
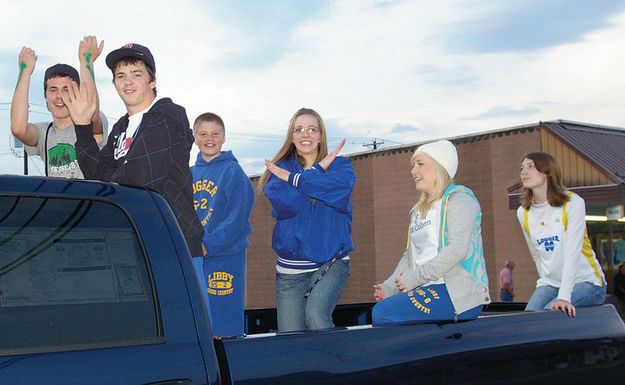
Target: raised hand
{"type": "Point", "coordinates": [88, 51]}
{"type": "Point", "coordinates": [88, 47]}
{"type": "Point", "coordinates": [81, 102]}
{"type": "Point", "coordinates": [26, 61]}
{"type": "Point", "coordinates": [279, 172]}
{"type": "Point", "coordinates": [327, 161]}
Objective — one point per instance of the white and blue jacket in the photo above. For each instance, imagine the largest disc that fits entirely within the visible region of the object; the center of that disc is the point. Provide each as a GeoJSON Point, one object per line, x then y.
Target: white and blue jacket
{"type": "Point", "coordinates": [313, 212]}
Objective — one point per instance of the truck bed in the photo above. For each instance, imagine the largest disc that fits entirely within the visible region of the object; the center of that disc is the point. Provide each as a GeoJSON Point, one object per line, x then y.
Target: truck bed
{"type": "Point", "coordinates": [496, 348]}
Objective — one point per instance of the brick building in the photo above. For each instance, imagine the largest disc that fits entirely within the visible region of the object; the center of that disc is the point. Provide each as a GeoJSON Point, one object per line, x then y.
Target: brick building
{"type": "Point", "coordinates": [593, 162]}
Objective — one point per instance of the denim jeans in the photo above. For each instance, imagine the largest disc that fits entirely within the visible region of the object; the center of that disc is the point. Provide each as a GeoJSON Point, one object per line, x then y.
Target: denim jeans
{"type": "Point", "coordinates": [505, 296]}
{"type": "Point", "coordinates": [584, 294]}
{"type": "Point", "coordinates": [295, 311]}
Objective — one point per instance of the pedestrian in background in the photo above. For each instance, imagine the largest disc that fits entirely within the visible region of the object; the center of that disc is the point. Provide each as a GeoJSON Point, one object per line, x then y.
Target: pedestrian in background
{"type": "Point", "coordinates": [506, 293]}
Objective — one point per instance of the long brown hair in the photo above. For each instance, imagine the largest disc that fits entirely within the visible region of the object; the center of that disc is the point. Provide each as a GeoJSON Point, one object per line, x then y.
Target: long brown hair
{"type": "Point", "coordinates": [556, 192]}
{"type": "Point", "coordinates": [288, 147]}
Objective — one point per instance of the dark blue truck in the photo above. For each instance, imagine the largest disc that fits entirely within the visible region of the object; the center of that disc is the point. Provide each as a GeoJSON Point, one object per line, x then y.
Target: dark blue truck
{"type": "Point", "coordinates": [97, 287]}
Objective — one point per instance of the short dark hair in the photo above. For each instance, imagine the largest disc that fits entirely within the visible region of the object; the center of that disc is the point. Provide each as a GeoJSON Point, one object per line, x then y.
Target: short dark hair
{"type": "Point", "coordinates": [45, 83]}
{"type": "Point", "coordinates": [208, 117]}
{"type": "Point", "coordinates": [60, 71]}
{"type": "Point", "coordinates": [126, 60]}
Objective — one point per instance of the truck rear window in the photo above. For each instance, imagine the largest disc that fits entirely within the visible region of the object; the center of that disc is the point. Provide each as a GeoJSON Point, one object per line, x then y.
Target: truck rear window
{"type": "Point", "coordinates": [72, 275]}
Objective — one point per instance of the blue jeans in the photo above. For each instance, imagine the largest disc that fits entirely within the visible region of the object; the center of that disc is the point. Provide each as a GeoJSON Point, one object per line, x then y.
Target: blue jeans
{"type": "Point", "coordinates": [505, 296]}
{"type": "Point", "coordinates": [295, 311]}
{"type": "Point", "coordinates": [584, 294]}
{"type": "Point", "coordinates": [421, 305]}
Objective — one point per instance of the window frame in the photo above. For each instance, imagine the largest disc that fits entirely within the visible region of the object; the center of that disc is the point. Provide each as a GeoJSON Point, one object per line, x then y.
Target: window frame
{"type": "Point", "coordinates": [158, 338]}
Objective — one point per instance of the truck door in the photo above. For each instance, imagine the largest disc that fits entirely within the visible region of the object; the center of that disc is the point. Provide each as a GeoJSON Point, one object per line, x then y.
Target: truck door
{"type": "Point", "coordinates": [78, 299]}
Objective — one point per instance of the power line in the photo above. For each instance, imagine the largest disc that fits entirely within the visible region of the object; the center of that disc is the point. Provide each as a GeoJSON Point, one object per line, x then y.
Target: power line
{"type": "Point", "coordinates": [30, 104]}
{"type": "Point", "coordinates": [374, 144]}
{"type": "Point", "coordinates": [29, 111]}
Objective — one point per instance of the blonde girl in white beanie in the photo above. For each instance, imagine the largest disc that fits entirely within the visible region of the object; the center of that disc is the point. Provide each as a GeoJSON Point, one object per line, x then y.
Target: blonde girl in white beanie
{"type": "Point", "coordinates": [441, 274]}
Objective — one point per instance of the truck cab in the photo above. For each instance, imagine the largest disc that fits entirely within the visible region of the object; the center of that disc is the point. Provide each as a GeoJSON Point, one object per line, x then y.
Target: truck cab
{"type": "Point", "coordinates": [92, 288]}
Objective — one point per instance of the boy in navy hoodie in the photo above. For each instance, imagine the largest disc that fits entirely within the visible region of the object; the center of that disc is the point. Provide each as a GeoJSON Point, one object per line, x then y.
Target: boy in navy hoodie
{"type": "Point", "coordinates": [223, 197]}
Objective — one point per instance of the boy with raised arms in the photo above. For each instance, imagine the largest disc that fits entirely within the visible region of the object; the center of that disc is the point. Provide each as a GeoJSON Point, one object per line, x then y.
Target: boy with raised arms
{"type": "Point", "coordinates": [55, 141]}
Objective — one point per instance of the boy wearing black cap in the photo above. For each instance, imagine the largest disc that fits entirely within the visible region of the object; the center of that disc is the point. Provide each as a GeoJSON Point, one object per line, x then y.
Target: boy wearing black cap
{"type": "Point", "coordinates": [53, 141]}
{"type": "Point", "coordinates": [149, 146]}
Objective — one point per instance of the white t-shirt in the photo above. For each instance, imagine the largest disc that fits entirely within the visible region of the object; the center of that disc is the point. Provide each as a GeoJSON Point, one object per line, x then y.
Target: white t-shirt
{"type": "Point", "coordinates": [126, 137]}
{"type": "Point", "coordinates": [561, 256]}
{"type": "Point", "coordinates": [424, 235]}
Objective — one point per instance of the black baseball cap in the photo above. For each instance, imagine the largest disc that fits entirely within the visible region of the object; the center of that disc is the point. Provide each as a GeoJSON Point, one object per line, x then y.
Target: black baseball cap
{"type": "Point", "coordinates": [131, 50]}
{"type": "Point", "coordinates": [61, 70]}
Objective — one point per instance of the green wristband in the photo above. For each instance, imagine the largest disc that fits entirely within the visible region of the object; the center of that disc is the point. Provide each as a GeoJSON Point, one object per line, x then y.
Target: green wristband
{"type": "Point", "coordinates": [88, 61]}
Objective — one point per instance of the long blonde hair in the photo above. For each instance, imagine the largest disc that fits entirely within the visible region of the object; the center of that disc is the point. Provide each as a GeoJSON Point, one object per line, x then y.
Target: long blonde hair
{"type": "Point", "coordinates": [288, 147]}
{"type": "Point", "coordinates": [425, 202]}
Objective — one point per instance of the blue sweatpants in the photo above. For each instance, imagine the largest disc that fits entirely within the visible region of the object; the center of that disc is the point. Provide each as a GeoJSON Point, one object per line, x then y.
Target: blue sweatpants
{"type": "Point", "coordinates": [198, 265]}
{"type": "Point", "coordinates": [421, 305]}
{"type": "Point", "coordinates": [223, 278]}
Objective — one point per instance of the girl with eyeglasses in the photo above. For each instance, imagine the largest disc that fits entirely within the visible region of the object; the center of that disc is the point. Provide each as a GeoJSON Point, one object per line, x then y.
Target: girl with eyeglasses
{"type": "Point", "coordinates": [310, 194]}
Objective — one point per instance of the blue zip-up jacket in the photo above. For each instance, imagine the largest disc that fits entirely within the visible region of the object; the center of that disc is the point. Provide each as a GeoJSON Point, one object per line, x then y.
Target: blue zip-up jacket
{"type": "Point", "coordinates": [223, 197]}
{"type": "Point", "coordinates": [313, 212]}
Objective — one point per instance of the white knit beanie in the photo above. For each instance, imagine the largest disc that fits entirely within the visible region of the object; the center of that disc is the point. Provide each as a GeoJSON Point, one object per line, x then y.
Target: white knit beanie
{"type": "Point", "coordinates": [444, 152]}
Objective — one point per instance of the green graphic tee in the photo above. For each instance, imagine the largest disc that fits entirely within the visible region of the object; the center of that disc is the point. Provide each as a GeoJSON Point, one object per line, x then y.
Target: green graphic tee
{"type": "Point", "coordinates": [61, 160]}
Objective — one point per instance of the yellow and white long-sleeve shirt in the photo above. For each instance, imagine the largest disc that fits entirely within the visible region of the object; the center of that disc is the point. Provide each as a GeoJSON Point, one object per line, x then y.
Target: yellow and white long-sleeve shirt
{"type": "Point", "coordinates": [559, 245]}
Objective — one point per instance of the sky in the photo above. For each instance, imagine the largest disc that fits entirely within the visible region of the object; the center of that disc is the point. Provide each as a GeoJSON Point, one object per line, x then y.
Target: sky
{"type": "Point", "coordinates": [393, 71]}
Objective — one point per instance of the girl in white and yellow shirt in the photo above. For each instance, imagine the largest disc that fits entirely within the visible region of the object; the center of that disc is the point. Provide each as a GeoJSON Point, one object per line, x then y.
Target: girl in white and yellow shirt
{"type": "Point", "coordinates": [554, 226]}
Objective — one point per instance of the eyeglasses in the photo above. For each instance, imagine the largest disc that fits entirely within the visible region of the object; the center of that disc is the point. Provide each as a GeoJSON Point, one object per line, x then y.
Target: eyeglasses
{"type": "Point", "coordinates": [310, 129]}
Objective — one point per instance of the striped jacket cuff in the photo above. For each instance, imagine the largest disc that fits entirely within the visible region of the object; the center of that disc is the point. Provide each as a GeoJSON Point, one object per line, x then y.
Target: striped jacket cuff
{"type": "Point", "coordinates": [294, 178]}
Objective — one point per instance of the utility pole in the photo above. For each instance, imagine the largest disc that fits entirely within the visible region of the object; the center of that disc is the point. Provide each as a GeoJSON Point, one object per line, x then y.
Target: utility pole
{"type": "Point", "coordinates": [373, 144]}
{"type": "Point", "coordinates": [16, 145]}
{"type": "Point", "coordinates": [25, 162]}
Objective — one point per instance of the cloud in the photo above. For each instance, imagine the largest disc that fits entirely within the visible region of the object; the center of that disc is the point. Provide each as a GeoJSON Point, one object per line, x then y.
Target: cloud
{"type": "Point", "coordinates": [503, 111]}
{"type": "Point", "coordinates": [262, 29]}
{"type": "Point", "coordinates": [372, 68]}
{"type": "Point", "coordinates": [253, 166]}
{"type": "Point", "coordinates": [401, 128]}
{"type": "Point", "coordinates": [528, 25]}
